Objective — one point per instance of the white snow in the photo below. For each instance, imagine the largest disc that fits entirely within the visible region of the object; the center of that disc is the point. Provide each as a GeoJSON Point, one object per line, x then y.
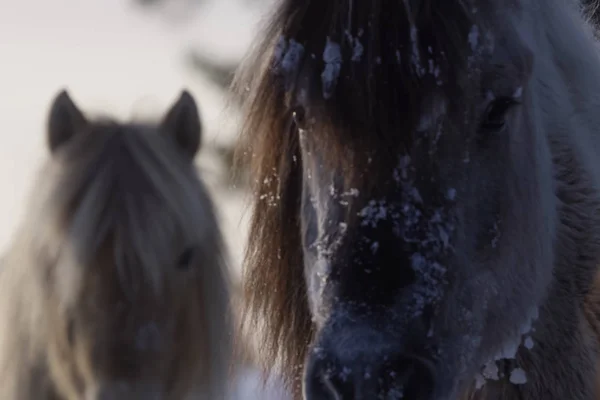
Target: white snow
{"type": "Point", "coordinates": [490, 371]}
{"type": "Point", "coordinates": [518, 92]}
{"type": "Point", "coordinates": [332, 56]}
{"type": "Point", "coordinates": [479, 381]}
{"type": "Point", "coordinates": [374, 212]}
{"type": "Point", "coordinates": [474, 37]}
{"type": "Point", "coordinates": [451, 194]}
{"type": "Point", "coordinates": [518, 376]}
{"type": "Point", "coordinates": [416, 56]}
{"type": "Point", "coordinates": [528, 343]}
{"type": "Point", "coordinates": [292, 57]}
{"type": "Point", "coordinates": [357, 47]}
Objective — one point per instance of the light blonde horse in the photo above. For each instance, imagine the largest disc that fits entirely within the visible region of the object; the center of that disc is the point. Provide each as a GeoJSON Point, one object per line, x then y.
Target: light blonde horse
{"type": "Point", "coordinates": [115, 284]}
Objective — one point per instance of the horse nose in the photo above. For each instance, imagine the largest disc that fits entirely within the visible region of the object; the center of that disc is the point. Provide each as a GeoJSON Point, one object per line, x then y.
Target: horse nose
{"type": "Point", "coordinates": [401, 377]}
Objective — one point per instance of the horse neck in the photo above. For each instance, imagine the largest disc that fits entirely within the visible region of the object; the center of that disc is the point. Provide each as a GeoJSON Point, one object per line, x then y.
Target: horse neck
{"type": "Point", "coordinates": [562, 364]}
{"type": "Point", "coordinates": [567, 91]}
{"type": "Point", "coordinates": [566, 98]}
{"type": "Point", "coordinates": [567, 62]}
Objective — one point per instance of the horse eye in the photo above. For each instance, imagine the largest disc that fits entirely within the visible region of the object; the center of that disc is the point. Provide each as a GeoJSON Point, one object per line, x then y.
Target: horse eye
{"type": "Point", "coordinates": [186, 258]}
{"type": "Point", "coordinates": [495, 115]}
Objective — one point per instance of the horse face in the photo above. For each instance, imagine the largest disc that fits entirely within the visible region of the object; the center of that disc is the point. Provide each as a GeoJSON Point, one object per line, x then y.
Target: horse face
{"type": "Point", "coordinates": [124, 338]}
{"type": "Point", "coordinates": [135, 283]}
{"type": "Point", "coordinates": [418, 278]}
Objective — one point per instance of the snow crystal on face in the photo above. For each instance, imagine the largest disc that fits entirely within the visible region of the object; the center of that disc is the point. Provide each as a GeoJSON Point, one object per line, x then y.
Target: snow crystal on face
{"type": "Point", "coordinates": [332, 191]}
{"type": "Point", "coordinates": [518, 376]}
{"type": "Point", "coordinates": [497, 234]}
{"type": "Point", "coordinates": [416, 56]}
{"type": "Point", "coordinates": [508, 350]}
{"type": "Point", "coordinates": [429, 232]}
{"type": "Point", "coordinates": [353, 192]}
{"type": "Point", "coordinates": [394, 394]}
{"type": "Point", "coordinates": [427, 291]}
{"type": "Point", "coordinates": [437, 110]}
{"type": "Point", "coordinates": [293, 56]}
{"type": "Point", "coordinates": [357, 50]}
{"type": "Point", "coordinates": [345, 373]}
{"type": "Point", "coordinates": [287, 56]}
{"type": "Point", "coordinates": [451, 194]}
{"type": "Point", "coordinates": [271, 198]}
{"type": "Point", "coordinates": [480, 44]}
{"type": "Point", "coordinates": [374, 247]}
{"type": "Point", "coordinates": [374, 212]}
{"type": "Point", "coordinates": [401, 173]}
{"type": "Point", "coordinates": [490, 371]}
{"type": "Point", "coordinates": [425, 123]}
{"type": "Point", "coordinates": [518, 93]}
{"type": "Point", "coordinates": [489, 42]}
{"type": "Point", "coordinates": [433, 69]}
{"type": "Point", "coordinates": [474, 37]}
{"type": "Point", "coordinates": [357, 47]}
{"type": "Point", "coordinates": [479, 381]}
{"type": "Point", "coordinates": [319, 279]}
{"type": "Point", "coordinates": [531, 318]}
{"type": "Point", "coordinates": [332, 56]}
{"type": "Point", "coordinates": [279, 50]}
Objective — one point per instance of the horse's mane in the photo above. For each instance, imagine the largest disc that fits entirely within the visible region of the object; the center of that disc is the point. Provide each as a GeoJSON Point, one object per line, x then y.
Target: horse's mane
{"type": "Point", "coordinates": [379, 67]}
{"type": "Point", "coordinates": [123, 185]}
{"type": "Point", "coordinates": [591, 9]}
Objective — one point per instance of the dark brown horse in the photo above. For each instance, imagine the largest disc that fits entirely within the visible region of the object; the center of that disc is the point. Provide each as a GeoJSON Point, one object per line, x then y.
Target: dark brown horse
{"type": "Point", "coordinates": [114, 287]}
{"type": "Point", "coordinates": [426, 217]}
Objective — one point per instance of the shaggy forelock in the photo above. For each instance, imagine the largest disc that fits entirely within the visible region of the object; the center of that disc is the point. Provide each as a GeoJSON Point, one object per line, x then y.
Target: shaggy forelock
{"type": "Point", "coordinates": [125, 183]}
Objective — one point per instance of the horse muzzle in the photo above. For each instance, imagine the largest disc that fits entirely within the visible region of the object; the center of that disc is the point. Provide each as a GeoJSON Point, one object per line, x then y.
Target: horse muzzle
{"type": "Point", "coordinates": [367, 371]}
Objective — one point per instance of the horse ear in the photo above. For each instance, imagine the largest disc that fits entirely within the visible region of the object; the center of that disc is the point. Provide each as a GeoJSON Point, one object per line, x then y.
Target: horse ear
{"type": "Point", "coordinates": [182, 123]}
{"type": "Point", "coordinates": [64, 122]}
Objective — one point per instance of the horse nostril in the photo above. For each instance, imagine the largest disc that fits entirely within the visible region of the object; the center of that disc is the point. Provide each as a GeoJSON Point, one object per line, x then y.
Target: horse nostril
{"type": "Point", "coordinates": [404, 377]}
{"type": "Point", "coordinates": [416, 376]}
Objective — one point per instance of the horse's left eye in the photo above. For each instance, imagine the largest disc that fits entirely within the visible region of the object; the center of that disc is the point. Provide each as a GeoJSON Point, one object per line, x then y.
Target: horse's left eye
{"type": "Point", "coordinates": [186, 258]}
{"type": "Point", "coordinates": [495, 115]}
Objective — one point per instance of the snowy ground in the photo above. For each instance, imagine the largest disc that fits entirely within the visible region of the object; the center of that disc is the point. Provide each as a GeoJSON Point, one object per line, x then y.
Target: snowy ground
{"type": "Point", "coordinates": [117, 58]}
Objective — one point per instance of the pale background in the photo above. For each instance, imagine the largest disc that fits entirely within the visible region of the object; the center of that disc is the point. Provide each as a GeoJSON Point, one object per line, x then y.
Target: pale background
{"type": "Point", "coordinates": [119, 58]}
